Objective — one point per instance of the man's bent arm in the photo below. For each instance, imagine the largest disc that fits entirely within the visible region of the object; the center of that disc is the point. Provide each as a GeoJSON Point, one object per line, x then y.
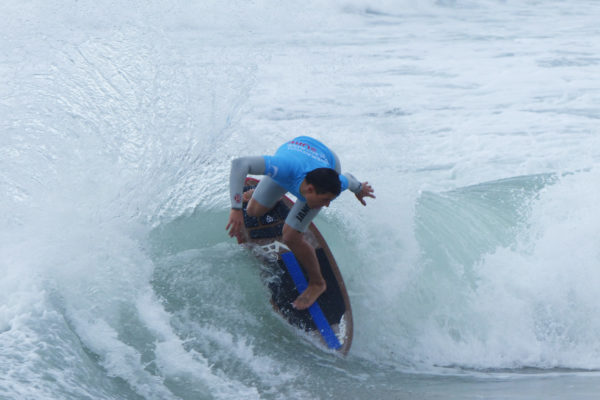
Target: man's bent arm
{"type": "Point", "coordinates": [240, 168]}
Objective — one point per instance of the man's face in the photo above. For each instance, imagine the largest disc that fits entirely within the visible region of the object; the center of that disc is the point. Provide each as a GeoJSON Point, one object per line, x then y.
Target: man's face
{"type": "Point", "coordinates": [315, 200]}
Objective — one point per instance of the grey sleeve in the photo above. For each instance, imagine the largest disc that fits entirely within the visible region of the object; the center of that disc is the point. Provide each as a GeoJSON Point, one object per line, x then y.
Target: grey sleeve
{"type": "Point", "coordinates": [240, 167]}
{"type": "Point", "coordinates": [353, 184]}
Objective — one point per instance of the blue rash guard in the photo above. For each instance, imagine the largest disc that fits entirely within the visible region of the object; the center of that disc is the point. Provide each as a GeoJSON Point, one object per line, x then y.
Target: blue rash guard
{"type": "Point", "coordinates": [286, 169]}
{"type": "Point", "coordinates": [293, 160]}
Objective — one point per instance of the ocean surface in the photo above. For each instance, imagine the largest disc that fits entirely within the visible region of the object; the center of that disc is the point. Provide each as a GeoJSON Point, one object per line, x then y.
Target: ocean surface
{"type": "Point", "coordinates": [475, 274]}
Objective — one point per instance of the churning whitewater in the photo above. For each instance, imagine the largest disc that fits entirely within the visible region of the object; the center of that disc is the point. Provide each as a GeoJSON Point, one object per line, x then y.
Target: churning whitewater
{"type": "Point", "coordinates": [473, 274]}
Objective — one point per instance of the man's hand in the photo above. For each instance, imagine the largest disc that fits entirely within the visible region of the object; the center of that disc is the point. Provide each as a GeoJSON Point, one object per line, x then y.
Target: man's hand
{"type": "Point", "coordinates": [366, 191]}
{"type": "Point", "coordinates": [236, 221]}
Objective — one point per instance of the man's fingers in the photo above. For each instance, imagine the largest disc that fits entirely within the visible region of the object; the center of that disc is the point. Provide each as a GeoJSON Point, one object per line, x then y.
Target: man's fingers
{"type": "Point", "coordinates": [360, 198]}
{"type": "Point", "coordinates": [367, 191]}
{"type": "Point", "coordinates": [235, 228]}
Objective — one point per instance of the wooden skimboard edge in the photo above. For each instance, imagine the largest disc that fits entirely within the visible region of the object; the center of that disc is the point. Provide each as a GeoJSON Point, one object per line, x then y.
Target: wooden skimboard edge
{"type": "Point", "coordinates": [349, 323]}
{"type": "Point", "coordinates": [317, 241]}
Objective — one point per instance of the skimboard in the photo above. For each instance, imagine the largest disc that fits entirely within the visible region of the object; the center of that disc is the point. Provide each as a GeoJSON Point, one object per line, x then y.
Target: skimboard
{"type": "Point", "coordinates": [329, 319]}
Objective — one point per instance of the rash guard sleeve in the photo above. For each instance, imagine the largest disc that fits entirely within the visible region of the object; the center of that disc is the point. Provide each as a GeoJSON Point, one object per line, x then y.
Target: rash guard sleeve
{"type": "Point", "coordinates": [240, 168]}
{"type": "Point", "coordinates": [349, 181]}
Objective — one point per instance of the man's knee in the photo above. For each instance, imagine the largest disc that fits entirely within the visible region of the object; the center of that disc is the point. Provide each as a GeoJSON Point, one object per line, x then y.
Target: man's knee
{"type": "Point", "coordinates": [290, 235]}
{"type": "Point", "coordinates": [255, 209]}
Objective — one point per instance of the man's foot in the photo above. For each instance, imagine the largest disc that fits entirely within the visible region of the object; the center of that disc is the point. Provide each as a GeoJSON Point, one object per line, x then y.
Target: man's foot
{"type": "Point", "coordinates": [309, 296]}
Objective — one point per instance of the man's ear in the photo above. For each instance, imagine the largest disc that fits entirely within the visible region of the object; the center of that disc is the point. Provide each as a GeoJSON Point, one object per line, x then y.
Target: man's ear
{"type": "Point", "coordinates": [310, 188]}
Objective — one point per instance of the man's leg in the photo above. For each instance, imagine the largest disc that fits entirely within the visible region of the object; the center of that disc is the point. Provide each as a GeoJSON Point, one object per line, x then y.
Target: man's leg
{"type": "Point", "coordinates": [296, 223]}
{"type": "Point", "coordinates": [264, 197]}
{"type": "Point", "coordinates": [307, 257]}
{"type": "Point", "coordinates": [255, 209]}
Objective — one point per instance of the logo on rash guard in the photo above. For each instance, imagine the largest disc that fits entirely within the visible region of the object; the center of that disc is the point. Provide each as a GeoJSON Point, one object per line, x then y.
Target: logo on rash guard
{"type": "Point", "coordinates": [308, 150]}
{"type": "Point", "coordinates": [273, 171]}
{"type": "Point", "coordinates": [302, 214]}
{"type": "Point", "coordinates": [302, 144]}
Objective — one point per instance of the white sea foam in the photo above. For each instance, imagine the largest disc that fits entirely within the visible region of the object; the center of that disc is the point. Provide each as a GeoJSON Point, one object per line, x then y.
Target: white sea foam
{"type": "Point", "coordinates": [476, 122]}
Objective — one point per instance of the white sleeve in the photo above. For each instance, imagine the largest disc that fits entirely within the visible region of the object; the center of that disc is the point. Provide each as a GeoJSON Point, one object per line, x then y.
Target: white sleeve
{"type": "Point", "coordinates": [353, 184]}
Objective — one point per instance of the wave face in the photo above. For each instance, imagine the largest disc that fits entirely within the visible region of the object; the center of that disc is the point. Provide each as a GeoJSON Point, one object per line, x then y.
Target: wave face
{"type": "Point", "coordinates": [476, 122]}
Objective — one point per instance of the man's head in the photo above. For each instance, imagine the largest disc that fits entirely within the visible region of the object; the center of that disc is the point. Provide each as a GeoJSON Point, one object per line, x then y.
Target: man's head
{"type": "Point", "coordinates": [323, 185]}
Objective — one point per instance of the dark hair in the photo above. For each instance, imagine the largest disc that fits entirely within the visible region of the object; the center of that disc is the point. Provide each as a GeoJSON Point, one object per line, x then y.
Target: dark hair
{"type": "Point", "coordinates": [325, 180]}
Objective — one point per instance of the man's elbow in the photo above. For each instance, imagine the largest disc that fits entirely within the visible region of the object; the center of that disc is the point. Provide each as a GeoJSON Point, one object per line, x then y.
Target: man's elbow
{"type": "Point", "coordinates": [237, 163]}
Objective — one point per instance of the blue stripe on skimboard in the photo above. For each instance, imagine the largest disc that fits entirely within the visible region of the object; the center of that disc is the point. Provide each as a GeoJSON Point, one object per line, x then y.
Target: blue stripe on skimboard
{"type": "Point", "coordinates": [315, 310]}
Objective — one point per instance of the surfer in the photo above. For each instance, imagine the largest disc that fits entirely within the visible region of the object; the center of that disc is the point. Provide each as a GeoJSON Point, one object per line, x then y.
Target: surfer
{"type": "Point", "coordinates": [310, 171]}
